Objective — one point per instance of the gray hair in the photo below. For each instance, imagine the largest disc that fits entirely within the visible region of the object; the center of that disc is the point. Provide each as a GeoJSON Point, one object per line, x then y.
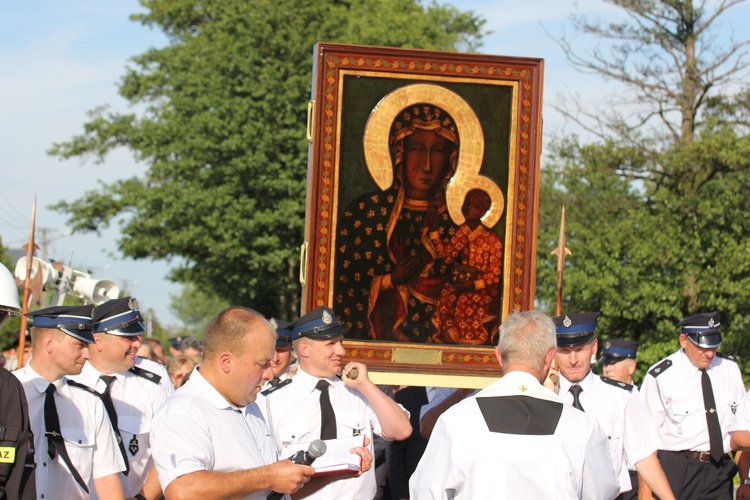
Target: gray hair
{"type": "Point", "coordinates": [525, 338]}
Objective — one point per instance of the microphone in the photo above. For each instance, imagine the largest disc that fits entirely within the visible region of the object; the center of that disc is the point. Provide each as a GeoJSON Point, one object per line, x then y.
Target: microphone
{"type": "Point", "coordinates": [316, 449]}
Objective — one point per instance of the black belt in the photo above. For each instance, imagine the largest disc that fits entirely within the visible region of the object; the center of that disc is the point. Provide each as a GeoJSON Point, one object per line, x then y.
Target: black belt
{"type": "Point", "coordinates": [701, 456]}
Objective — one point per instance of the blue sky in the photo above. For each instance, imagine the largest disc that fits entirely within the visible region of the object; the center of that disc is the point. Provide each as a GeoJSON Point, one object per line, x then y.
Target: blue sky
{"type": "Point", "coordinates": [59, 60]}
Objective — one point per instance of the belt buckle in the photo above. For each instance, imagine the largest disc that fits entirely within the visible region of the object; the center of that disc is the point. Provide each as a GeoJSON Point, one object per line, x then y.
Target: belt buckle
{"type": "Point", "coordinates": [704, 456]}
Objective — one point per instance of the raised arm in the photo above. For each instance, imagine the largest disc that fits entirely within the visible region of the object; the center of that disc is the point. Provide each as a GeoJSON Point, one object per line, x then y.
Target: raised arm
{"type": "Point", "coordinates": [394, 421]}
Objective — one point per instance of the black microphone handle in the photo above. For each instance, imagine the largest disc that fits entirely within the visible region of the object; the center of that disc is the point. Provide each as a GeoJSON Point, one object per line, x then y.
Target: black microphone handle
{"type": "Point", "coordinates": [301, 458]}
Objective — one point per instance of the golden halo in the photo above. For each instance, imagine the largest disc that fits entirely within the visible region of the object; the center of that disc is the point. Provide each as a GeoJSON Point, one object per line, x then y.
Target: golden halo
{"type": "Point", "coordinates": [377, 130]}
{"type": "Point", "coordinates": [470, 154]}
{"type": "Point", "coordinates": [456, 191]}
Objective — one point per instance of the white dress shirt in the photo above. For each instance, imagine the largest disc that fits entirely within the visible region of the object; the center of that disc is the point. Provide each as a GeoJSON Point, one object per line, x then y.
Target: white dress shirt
{"type": "Point", "coordinates": [465, 460]}
{"type": "Point", "coordinates": [293, 413]}
{"type": "Point", "coordinates": [88, 436]}
{"type": "Point", "coordinates": [674, 399]}
{"type": "Point", "coordinates": [196, 429]}
{"type": "Point", "coordinates": [136, 400]}
{"type": "Point", "coordinates": [631, 434]}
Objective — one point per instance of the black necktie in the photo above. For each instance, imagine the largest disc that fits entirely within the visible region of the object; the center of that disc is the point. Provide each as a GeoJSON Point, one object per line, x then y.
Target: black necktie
{"type": "Point", "coordinates": [327, 417]}
{"type": "Point", "coordinates": [110, 407]}
{"type": "Point", "coordinates": [576, 391]}
{"type": "Point", "coordinates": [55, 441]}
{"type": "Point", "coordinates": [712, 418]}
{"type": "Point", "coordinates": [274, 381]}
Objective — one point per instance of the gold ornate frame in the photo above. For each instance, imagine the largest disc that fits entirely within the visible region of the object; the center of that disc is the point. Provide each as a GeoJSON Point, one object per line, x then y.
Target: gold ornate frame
{"type": "Point", "coordinates": [357, 91]}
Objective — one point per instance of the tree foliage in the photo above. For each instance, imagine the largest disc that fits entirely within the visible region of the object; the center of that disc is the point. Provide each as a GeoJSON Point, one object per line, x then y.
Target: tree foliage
{"type": "Point", "coordinates": [656, 210]}
{"type": "Point", "coordinates": [223, 134]}
{"type": "Point", "coordinates": [669, 54]}
{"type": "Point", "coordinates": [195, 308]}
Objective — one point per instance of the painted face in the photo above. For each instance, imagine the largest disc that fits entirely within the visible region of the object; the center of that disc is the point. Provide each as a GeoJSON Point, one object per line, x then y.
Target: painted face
{"type": "Point", "coordinates": [427, 160]}
{"type": "Point", "coordinates": [474, 208]}
{"type": "Point", "coordinates": [326, 355]}
{"type": "Point", "coordinates": [70, 354]}
{"type": "Point", "coordinates": [700, 357]}
{"type": "Point", "coordinates": [621, 370]}
{"type": "Point", "coordinates": [281, 360]}
{"type": "Point", "coordinates": [575, 362]}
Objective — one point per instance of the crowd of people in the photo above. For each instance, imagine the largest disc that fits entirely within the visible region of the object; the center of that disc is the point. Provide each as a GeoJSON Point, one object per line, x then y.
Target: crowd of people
{"type": "Point", "coordinates": [99, 411]}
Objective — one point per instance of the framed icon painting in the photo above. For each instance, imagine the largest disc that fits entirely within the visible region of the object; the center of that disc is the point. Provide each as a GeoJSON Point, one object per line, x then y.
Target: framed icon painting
{"type": "Point", "coordinates": [422, 197]}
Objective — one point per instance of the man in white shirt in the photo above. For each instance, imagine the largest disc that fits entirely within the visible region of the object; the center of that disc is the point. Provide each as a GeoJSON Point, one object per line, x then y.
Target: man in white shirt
{"type": "Point", "coordinates": [516, 438]}
{"type": "Point", "coordinates": [209, 437]}
{"type": "Point", "coordinates": [357, 406]}
{"type": "Point", "coordinates": [631, 434]}
{"type": "Point", "coordinates": [130, 394]}
{"type": "Point", "coordinates": [76, 449]}
{"type": "Point", "coordinates": [692, 396]}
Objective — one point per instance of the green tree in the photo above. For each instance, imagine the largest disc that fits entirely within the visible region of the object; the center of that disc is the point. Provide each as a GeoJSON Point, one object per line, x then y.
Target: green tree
{"type": "Point", "coordinates": [195, 308]}
{"type": "Point", "coordinates": [223, 134]}
{"type": "Point", "coordinates": [654, 205]}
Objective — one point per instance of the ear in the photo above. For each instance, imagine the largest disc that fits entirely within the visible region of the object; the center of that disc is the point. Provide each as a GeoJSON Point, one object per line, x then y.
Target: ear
{"type": "Point", "coordinates": [631, 367]}
{"type": "Point", "coordinates": [499, 357]}
{"type": "Point", "coordinates": [49, 341]}
{"type": "Point", "coordinates": [549, 359]}
{"type": "Point", "coordinates": [303, 349]}
{"type": "Point", "coordinates": [226, 361]}
{"type": "Point", "coordinates": [683, 340]}
{"type": "Point", "coordinates": [98, 342]}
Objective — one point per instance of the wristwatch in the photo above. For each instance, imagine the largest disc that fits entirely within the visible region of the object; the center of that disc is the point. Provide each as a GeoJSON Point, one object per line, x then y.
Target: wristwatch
{"type": "Point", "coordinates": [745, 481]}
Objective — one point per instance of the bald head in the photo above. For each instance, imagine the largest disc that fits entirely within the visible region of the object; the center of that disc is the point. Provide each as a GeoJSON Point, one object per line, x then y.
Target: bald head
{"type": "Point", "coordinates": [238, 347]}
{"type": "Point", "coordinates": [228, 331]}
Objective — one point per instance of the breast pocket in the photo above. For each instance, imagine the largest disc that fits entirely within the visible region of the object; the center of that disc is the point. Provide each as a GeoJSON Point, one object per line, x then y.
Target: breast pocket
{"type": "Point", "coordinates": [80, 446]}
{"type": "Point", "coordinates": [294, 434]}
{"type": "Point", "coordinates": [726, 403]}
{"type": "Point", "coordinates": [689, 416]}
{"type": "Point", "coordinates": [134, 425]}
{"type": "Point", "coordinates": [351, 424]}
{"type": "Point", "coordinates": [135, 433]}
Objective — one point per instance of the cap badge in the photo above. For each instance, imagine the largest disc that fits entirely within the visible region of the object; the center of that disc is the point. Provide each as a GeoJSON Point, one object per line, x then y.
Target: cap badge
{"type": "Point", "coordinates": [711, 323]}
{"type": "Point", "coordinates": [567, 322]}
{"type": "Point", "coordinates": [327, 318]}
{"type": "Point", "coordinates": [274, 325]}
{"type": "Point", "coordinates": [607, 344]}
{"type": "Point", "coordinates": [133, 304]}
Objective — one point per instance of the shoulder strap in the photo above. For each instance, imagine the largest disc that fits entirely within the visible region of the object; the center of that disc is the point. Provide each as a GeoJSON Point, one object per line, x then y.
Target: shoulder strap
{"type": "Point", "coordinates": [153, 377]}
{"type": "Point", "coordinates": [278, 386]}
{"type": "Point", "coordinates": [616, 383]}
{"type": "Point", "coordinates": [726, 356]}
{"type": "Point", "coordinates": [660, 368]}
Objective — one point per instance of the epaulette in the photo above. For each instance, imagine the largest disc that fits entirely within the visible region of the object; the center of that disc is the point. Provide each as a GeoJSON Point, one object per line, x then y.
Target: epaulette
{"type": "Point", "coordinates": [660, 368]}
{"type": "Point", "coordinates": [726, 356]}
{"type": "Point", "coordinates": [278, 386]}
{"type": "Point", "coordinates": [153, 377]}
{"type": "Point", "coordinates": [616, 383]}
{"type": "Point", "coordinates": [73, 383]}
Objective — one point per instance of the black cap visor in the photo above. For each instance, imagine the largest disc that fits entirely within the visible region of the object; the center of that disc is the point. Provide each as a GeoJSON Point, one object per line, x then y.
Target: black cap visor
{"type": "Point", "coordinates": [707, 341]}
{"type": "Point", "coordinates": [82, 335]}
{"type": "Point", "coordinates": [127, 329]}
